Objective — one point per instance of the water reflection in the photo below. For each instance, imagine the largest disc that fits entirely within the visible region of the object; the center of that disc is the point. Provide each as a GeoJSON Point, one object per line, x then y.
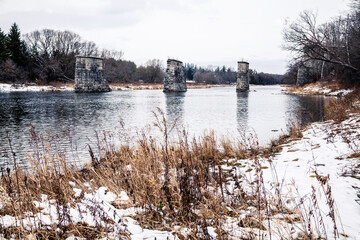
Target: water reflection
{"type": "Point", "coordinates": [242, 105]}
{"type": "Point", "coordinates": [174, 104]}
{"type": "Point", "coordinates": [14, 112]}
{"type": "Point", "coordinates": [304, 109]}
{"type": "Point", "coordinates": [264, 110]}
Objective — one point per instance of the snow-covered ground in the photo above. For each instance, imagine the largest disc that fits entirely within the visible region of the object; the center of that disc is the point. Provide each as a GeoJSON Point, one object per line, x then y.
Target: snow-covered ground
{"type": "Point", "coordinates": [326, 91]}
{"type": "Point", "coordinates": [5, 87]}
{"type": "Point", "coordinates": [319, 88]}
{"type": "Point", "coordinates": [327, 150]}
{"type": "Point", "coordinates": [324, 148]}
{"type": "Point", "coordinates": [95, 208]}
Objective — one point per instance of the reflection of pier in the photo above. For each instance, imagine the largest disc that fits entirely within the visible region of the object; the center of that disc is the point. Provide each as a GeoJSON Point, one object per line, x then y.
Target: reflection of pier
{"type": "Point", "coordinates": [242, 110]}
{"type": "Point", "coordinates": [175, 108]}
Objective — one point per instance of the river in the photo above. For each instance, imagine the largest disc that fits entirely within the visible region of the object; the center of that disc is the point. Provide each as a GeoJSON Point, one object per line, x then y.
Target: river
{"type": "Point", "coordinates": [71, 120]}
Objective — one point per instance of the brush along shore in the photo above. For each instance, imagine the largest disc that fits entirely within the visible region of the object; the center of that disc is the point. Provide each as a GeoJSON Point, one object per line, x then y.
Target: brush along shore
{"type": "Point", "coordinates": [304, 186]}
{"type": "Point", "coordinates": [326, 88]}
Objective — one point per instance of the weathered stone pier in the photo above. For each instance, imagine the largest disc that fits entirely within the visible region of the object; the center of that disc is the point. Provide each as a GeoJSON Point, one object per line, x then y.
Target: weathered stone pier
{"type": "Point", "coordinates": [175, 80]}
{"type": "Point", "coordinates": [242, 84]}
{"type": "Point", "coordinates": [89, 75]}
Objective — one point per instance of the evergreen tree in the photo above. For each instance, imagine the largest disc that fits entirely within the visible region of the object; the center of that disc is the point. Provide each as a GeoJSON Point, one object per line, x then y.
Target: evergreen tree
{"type": "Point", "coordinates": [3, 48]}
{"type": "Point", "coordinates": [15, 46]}
{"type": "Point", "coordinates": [189, 71]}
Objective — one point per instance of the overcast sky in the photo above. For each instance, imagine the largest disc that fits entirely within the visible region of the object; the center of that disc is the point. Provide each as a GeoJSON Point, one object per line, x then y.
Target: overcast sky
{"type": "Point", "coordinates": [204, 32]}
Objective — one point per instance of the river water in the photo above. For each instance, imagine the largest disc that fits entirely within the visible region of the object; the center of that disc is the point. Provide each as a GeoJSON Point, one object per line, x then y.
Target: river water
{"type": "Point", "coordinates": [71, 120]}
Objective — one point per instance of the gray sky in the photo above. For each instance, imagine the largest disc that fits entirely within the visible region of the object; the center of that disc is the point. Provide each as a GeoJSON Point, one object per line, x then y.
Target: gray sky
{"type": "Point", "coordinates": [204, 32]}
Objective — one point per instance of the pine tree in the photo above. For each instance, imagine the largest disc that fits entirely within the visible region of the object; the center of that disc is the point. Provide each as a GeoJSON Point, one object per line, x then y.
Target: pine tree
{"type": "Point", "coordinates": [189, 71]}
{"type": "Point", "coordinates": [15, 46]}
{"type": "Point", "coordinates": [3, 49]}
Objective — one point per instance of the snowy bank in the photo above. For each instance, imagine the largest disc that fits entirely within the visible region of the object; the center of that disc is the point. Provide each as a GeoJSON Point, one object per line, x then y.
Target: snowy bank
{"type": "Point", "coordinates": [290, 194]}
{"type": "Point", "coordinates": [5, 87]}
{"type": "Point", "coordinates": [319, 88]}
{"type": "Point", "coordinates": [327, 149]}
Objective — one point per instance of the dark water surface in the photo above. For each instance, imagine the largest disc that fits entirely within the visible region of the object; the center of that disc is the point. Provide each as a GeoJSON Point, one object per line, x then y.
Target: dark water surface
{"type": "Point", "coordinates": [71, 119]}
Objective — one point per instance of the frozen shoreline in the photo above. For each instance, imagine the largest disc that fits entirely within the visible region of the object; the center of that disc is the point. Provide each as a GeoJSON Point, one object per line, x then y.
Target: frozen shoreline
{"type": "Point", "coordinates": [325, 148]}
{"type": "Point", "coordinates": [318, 88]}
{"type": "Point", "coordinates": [6, 87]}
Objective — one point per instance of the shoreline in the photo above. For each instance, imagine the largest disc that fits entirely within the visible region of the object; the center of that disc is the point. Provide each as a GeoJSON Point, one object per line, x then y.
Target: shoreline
{"type": "Point", "coordinates": [240, 191]}
{"type": "Point", "coordinates": [331, 89]}
{"type": "Point", "coordinates": [57, 87]}
{"type": "Point", "coordinates": [309, 89]}
{"type": "Point", "coordinates": [319, 156]}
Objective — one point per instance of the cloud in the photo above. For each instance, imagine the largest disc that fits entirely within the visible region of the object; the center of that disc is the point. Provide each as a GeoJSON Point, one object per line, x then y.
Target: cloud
{"type": "Point", "coordinates": [218, 31]}
{"type": "Point", "coordinates": [76, 14]}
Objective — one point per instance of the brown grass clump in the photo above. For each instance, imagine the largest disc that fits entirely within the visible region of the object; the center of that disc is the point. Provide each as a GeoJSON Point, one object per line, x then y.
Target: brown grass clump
{"type": "Point", "coordinates": [323, 87]}
{"type": "Point", "coordinates": [175, 183]}
{"type": "Point", "coordinates": [47, 174]}
{"type": "Point", "coordinates": [168, 180]}
{"type": "Point", "coordinates": [338, 109]}
{"type": "Point", "coordinates": [355, 155]}
{"type": "Point", "coordinates": [294, 133]}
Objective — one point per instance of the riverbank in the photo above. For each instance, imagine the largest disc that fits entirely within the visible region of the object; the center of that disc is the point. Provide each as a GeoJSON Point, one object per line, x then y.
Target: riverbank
{"type": "Point", "coordinates": [305, 185]}
{"type": "Point", "coordinates": [6, 87]}
{"type": "Point", "coordinates": [56, 87]}
{"type": "Point", "coordinates": [319, 88]}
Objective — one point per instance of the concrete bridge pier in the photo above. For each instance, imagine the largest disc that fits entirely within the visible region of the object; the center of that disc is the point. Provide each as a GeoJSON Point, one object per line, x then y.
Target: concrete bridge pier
{"type": "Point", "coordinates": [89, 75]}
{"type": "Point", "coordinates": [242, 84]}
{"type": "Point", "coordinates": [175, 80]}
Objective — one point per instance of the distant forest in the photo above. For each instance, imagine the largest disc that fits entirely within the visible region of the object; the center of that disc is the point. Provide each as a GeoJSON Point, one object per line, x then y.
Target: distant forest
{"type": "Point", "coordinates": [223, 75]}
{"type": "Point", "coordinates": [47, 55]}
{"type": "Point", "coordinates": [328, 51]}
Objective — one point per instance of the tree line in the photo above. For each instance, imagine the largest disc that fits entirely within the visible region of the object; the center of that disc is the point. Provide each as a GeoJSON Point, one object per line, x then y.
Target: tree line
{"type": "Point", "coordinates": [209, 75]}
{"type": "Point", "coordinates": [48, 55]}
{"type": "Point", "coordinates": [324, 51]}
{"type": "Point", "coordinates": [224, 75]}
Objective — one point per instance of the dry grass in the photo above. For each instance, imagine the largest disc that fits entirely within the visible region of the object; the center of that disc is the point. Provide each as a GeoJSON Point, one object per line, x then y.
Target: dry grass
{"type": "Point", "coordinates": [338, 109]}
{"type": "Point", "coordinates": [316, 88]}
{"type": "Point", "coordinates": [355, 155]}
{"type": "Point", "coordinates": [184, 183]}
{"type": "Point", "coordinates": [294, 133]}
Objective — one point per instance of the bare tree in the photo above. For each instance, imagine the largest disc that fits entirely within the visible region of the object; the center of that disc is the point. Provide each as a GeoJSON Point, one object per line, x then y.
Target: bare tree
{"type": "Point", "coordinates": [119, 70]}
{"type": "Point", "coordinates": [327, 42]}
{"type": "Point", "coordinates": [53, 56]}
{"type": "Point", "coordinates": [152, 71]}
{"type": "Point", "coordinates": [89, 49]}
{"type": "Point", "coordinates": [114, 54]}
